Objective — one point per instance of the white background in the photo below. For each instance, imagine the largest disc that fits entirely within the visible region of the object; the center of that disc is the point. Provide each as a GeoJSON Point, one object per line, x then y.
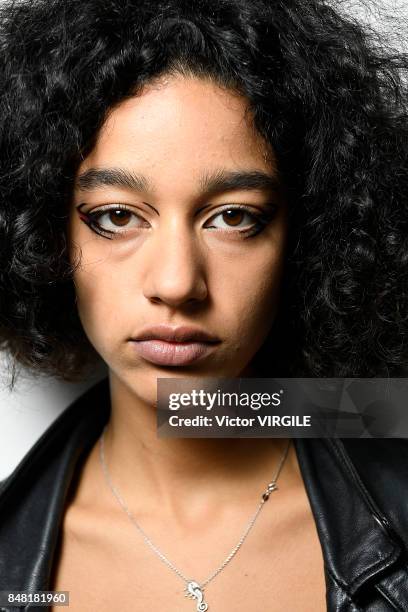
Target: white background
{"type": "Point", "coordinates": [36, 402]}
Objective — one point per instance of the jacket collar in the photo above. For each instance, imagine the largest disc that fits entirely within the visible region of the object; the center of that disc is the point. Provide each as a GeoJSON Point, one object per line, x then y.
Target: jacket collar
{"type": "Point", "coordinates": [358, 547]}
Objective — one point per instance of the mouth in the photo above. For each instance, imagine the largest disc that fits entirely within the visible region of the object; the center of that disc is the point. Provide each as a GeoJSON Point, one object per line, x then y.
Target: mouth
{"type": "Point", "coordinates": [174, 346]}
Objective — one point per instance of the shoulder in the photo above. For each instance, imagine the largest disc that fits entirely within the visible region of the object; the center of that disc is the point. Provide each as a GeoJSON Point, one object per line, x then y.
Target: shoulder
{"type": "Point", "coordinates": [381, 464]}
{"type": "Point", "coordinates": [350, 480]}
{"type": "Point", "coordinates": [32, 498]}
{"type": "Point", "coordinates": [62, 439]}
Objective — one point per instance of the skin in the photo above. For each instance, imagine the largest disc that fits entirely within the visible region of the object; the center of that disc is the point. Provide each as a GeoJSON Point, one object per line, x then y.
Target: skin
{"type": "Point", "coordinates": [181, 262]}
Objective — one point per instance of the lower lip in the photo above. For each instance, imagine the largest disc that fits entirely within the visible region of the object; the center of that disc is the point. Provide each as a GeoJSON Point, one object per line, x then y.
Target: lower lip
{"type": "Point", "coordinates": [165, 353]}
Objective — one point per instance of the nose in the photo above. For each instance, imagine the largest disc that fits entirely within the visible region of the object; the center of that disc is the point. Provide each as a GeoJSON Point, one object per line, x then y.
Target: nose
{"type": "Point", "coordinates": [175, 268]}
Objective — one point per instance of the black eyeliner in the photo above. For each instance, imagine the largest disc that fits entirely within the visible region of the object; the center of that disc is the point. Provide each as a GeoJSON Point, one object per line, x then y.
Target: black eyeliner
{"type": "Point", "coordinates": [89, 220]}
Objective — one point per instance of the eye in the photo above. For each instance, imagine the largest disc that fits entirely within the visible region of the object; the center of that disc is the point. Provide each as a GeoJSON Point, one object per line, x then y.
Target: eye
{"type": "Point", "coordinates": [110, 220]}
{"type": "Point", "coordinates": [240, 219]}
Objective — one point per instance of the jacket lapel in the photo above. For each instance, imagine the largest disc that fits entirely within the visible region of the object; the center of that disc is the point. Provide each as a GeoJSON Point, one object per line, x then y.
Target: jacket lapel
{"type": "Point", "coordinates": [32, 498]}
{"type": "Point", "coordinates": [360, 550]}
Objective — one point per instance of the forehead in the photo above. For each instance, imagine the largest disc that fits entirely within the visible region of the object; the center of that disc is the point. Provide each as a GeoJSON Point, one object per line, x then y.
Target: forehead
{"type": "Point", "coordinates": [180, 125]}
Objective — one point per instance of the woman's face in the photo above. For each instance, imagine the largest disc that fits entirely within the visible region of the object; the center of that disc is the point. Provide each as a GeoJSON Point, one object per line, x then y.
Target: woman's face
{"type": "Point", "coordinates": [178, 217]}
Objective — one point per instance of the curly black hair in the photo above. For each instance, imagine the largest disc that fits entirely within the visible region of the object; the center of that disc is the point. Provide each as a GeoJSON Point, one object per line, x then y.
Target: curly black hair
{"type": "Point", "coordinates": [328, 96]}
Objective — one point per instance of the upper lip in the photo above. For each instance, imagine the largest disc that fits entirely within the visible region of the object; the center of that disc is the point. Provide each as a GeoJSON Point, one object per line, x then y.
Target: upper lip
{"type": "Point", "coordinates": [182, 333]}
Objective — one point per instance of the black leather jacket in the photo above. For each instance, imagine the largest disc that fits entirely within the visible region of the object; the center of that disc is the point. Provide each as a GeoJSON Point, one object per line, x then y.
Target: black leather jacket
{"type": "Point", "coordinates": [358, 490]}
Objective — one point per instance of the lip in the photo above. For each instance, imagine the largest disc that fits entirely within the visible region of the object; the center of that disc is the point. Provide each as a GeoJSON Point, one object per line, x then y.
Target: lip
{"type": "Point", "coordinates": [174, 346]}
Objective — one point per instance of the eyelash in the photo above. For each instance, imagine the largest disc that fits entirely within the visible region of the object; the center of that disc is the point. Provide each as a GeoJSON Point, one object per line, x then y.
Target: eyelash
{"type": "Point", "coordinates": [262, 219]}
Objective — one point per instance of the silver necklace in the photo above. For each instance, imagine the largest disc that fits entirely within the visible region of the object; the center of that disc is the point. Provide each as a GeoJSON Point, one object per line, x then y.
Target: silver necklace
{"type": "Point", "coordinates": [193, 589]}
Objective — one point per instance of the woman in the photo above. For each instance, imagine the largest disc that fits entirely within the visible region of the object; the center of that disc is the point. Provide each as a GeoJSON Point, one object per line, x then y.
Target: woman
{"type": "Point", "coordinates": [201, 190]}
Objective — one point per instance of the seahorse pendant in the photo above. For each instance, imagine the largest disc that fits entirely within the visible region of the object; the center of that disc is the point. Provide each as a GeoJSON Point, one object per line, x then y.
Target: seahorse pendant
{"type": "Point", "coordinates": [194, 591]}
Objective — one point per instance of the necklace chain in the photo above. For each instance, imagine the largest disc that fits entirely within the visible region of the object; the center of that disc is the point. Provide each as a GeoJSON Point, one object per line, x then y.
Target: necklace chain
{"type": "Point", "coordinates": [265, 496]}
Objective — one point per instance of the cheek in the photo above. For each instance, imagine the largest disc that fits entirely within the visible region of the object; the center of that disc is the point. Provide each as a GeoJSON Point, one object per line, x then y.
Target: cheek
{"type": "Point", "coordinates": [259, 305]}
{"type": "Point", "coordinates": [97, 293]}
{"type": "Point", "coordinates": [251, 294]}
{"type": "Point", "coordinates": [96, 285]}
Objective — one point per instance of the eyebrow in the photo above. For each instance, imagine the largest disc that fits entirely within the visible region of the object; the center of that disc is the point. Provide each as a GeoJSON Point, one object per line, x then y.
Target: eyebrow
{"type": "Point", "coordinates": [210, 183]}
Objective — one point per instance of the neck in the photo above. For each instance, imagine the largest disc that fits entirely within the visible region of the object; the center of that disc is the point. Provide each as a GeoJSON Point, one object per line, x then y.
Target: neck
{"type": "Point", "coordinates": [182, 473]}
